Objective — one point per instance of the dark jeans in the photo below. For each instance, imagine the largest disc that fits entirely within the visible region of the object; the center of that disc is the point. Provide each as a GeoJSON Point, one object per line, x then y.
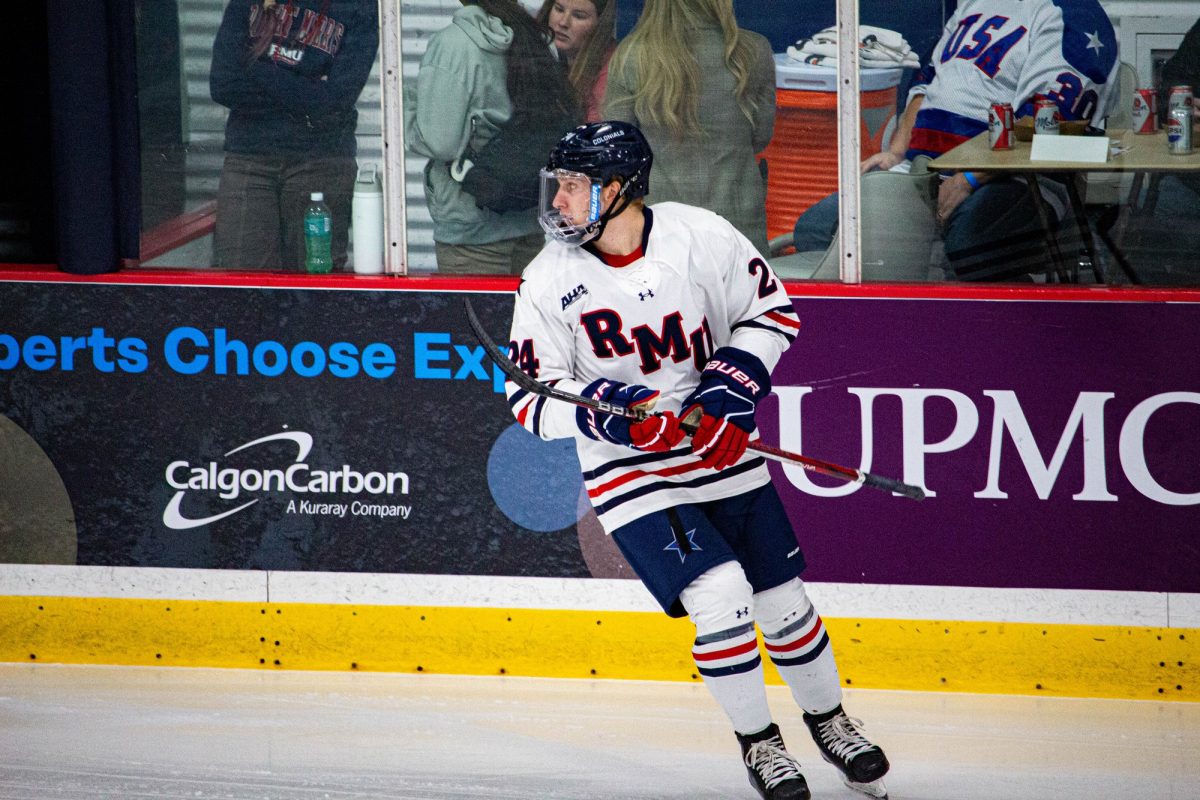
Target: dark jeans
{"type": "Point", "coordinates": [994, 235]}
{"type": "Point", "coordinates": [260, 209]}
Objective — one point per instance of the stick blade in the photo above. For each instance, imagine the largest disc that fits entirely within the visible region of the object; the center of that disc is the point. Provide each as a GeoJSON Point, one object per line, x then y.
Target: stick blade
{"type": "Point", "coordinates": [893, 485]}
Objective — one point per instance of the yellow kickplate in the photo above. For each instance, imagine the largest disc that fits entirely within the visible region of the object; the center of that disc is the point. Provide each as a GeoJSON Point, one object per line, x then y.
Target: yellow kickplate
{"type": "Point", "coordinates": [1005, 658]}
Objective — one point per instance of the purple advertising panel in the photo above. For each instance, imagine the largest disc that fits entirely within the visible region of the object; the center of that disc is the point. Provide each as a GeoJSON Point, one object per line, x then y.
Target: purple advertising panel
{"type": "Point", "coordinates": [1058, 442]}
{"type": "Point", "coordinates": [311, 428]}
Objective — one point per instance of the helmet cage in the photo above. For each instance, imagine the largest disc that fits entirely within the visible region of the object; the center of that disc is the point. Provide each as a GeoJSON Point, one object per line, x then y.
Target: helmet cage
{"type": "Point", "coordinates": [577, 188]}
{"type": "Point", "coordinates": [599, 153]}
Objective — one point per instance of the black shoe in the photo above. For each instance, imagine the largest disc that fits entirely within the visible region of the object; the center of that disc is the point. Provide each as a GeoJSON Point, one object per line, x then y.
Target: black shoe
{"type": "Point", "coordinates": [862, 764]}
{"type": "Point", "coordinates": [773, 771]}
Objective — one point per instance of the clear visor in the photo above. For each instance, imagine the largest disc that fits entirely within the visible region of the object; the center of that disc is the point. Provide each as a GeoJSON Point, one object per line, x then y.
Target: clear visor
{"type": "Point", "coordinates": [569, 205]}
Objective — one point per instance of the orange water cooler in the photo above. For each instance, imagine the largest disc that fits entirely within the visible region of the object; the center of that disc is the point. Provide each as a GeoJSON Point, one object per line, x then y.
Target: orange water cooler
{"type": "Point", "coordinates": [802, 158]}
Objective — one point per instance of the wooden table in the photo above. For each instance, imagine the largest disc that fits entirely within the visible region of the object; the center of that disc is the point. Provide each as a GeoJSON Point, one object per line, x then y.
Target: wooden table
{"type": "Point", "coordinates": [1146, 153]}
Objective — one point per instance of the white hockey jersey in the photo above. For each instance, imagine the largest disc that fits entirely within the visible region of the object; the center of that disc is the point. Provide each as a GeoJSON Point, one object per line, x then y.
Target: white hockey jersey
{"type": "Point", "coordinates": [699, 286]}
{"type": "Point", "coordinates": [1007, 51]}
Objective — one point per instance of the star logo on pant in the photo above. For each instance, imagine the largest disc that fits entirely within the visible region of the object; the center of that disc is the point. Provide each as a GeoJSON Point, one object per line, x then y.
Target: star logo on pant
{"type": "Point", "coordinates": [691, 540]}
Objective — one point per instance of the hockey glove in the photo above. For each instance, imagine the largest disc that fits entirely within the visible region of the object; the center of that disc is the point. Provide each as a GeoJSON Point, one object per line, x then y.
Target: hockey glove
{"type": "Point", "coordinates": [731, 384]}
{"type": "Point", "coordinates": [655, 433]}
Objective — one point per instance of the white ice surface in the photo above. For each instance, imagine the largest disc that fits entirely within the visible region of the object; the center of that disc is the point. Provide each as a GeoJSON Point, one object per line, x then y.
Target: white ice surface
{"type": "Point", "coordinates": [75, 732]}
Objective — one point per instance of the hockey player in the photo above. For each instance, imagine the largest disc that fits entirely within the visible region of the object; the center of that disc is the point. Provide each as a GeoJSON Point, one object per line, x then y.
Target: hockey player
{"type": "Point", "coordinates": [671, 308]}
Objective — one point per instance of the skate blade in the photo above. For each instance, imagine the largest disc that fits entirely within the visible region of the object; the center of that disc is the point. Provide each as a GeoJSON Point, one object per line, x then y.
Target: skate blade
{"type": "Point", "coordinates": [873, 789]}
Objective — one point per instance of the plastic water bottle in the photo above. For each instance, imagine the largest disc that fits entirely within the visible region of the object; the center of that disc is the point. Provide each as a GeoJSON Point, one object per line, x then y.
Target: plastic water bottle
{"type": "Point", "coordinates": [318, 235]}
{"type": "Point", "coordinates": [366, 225]}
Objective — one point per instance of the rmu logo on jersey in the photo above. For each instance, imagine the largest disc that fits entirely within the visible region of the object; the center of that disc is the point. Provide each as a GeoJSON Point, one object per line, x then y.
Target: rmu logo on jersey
{"type": "Point", "coordinates": [604, 326]}
{"type": "Point", "coordinates": [573, 295]}
{"type": "Point", "coordinates": [290, 55]}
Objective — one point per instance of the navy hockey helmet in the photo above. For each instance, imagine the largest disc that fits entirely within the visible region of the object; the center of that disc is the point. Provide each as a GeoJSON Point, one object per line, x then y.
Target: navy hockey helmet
{"type": "Point", "coordinates": [582, 163]}
{"type": "Point", "coordinates": [607, 150]}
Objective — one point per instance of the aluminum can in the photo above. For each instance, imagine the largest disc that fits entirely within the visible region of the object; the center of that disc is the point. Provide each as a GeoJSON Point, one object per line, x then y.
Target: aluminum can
{"type": "Point", "coordinates": [1046, 117]}
{"type": "Point", "coordinates": [1000, 126]}
{"type": "Point", "coordinates": [1179, 131]}
{"type": "Point", "coordinates": [1180, 96]}
{"type": "Point", "coordinates": [1145, 111]}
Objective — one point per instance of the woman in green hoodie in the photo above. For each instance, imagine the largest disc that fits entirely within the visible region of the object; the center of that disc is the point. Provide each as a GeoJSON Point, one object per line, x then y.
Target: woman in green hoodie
{"type": "Point", "coordinates": [492, 61]}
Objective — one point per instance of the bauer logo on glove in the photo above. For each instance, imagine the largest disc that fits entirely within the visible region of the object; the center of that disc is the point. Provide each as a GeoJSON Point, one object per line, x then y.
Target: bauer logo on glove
{"type": "Point", "coordinates": [733, 372]}
{"type": "Point", "coordinates": [722, 406]}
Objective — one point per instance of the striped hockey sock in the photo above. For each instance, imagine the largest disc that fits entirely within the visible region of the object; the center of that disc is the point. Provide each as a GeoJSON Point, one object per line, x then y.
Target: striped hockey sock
{"type": "Point", "coordinates": [729, 663]}
{"type": "Point", "coordinates": [804, 657]}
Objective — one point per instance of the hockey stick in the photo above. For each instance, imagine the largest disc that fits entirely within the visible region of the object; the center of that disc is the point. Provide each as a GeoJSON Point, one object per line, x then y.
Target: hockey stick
{"type": "Point", "coordinates": [534, 386]}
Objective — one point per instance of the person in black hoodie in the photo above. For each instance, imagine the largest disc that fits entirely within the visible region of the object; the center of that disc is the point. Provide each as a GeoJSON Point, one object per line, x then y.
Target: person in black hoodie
{"type": "Point", "coordinates": [290, 73]}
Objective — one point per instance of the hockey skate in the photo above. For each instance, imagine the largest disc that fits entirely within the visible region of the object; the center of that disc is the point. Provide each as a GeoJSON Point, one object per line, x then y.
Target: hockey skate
{"type": "Point", "coordinates": [861, 763]}
{"type": "Point", "coordinates": [773, 771]}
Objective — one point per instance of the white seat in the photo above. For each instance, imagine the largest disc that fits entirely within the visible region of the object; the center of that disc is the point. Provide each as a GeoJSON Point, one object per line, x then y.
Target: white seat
{"type": "Point", "coordinates": [898, 232]}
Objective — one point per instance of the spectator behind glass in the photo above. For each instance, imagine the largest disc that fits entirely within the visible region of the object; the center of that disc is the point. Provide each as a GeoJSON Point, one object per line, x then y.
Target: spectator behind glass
{"type": "Point", "coordinates": [492, 61]}
{"type": "Point", "coordinates": [290, 74]}
{"type": "Point", "coordinates": [993, 51]}
{"type": "Point", "coordinates": [585, 37]}
{"type": "Point", "coordinates": [703, 92]}
{"type": "Point", "coordinates": [1163, 240]}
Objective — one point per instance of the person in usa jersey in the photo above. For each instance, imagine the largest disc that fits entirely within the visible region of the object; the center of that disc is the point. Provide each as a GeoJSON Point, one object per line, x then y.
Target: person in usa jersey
{"type": "Point", "coordinates": [672, 309]}
{"type": "Point", "coordinates": [993, 51]}
{"type": "Point", "coordinates": [1008, 51]}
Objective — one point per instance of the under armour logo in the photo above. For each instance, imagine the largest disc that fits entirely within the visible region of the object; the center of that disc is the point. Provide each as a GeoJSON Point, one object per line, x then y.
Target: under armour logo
{"type": "Point", "coordinates": [743, 612]}
{"type": "Point", "coordinates": [643, 295]}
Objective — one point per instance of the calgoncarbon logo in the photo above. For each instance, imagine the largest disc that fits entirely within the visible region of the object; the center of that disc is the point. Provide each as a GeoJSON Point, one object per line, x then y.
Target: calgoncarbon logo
{"type": "Point", "coordinates": [308, 490]}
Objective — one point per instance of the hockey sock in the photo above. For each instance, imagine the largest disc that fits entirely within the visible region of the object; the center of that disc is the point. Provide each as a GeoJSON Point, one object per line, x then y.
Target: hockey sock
{"type": "Point", "coordinates": [720, 603]}
{"type": "Point", "coordinates": [729, 663]}
{"type": "Point", "coordinates": [798, 644]}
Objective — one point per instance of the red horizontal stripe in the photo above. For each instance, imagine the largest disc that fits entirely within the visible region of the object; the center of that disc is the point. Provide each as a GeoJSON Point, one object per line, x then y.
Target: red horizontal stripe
{"type": "Point", "coordinates": [935, 141]}
{"type": "Point", "coordinates": [782, 320]}
{"type": "Point", "coordinates": [506, 284]}
{"type": "Point", "coordinates": [737, 650]}
{"type": "Point", "coordinates": [633, 475]}
{"type": "Point", "coordinates": [796, 645]}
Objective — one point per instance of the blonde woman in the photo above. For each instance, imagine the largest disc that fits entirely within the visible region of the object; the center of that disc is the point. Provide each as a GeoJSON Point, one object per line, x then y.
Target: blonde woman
{"type": "Point", "coordinates": [703, 92]}
{"type": "Point", "coordinates": [585, 38]}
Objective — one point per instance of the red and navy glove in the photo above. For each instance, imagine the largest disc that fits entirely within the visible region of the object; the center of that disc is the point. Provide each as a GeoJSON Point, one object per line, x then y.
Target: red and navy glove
{"type": "Point", "coordinates": [731, 384]}
{"type": "Point", "coordinates": [655, 433]}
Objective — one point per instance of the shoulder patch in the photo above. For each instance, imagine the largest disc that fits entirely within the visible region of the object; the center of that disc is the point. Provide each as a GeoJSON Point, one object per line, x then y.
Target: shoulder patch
{"type": "Point", "coordinates": [1089, 43]}
{"type": "Point", "coordinates": [573, 295]}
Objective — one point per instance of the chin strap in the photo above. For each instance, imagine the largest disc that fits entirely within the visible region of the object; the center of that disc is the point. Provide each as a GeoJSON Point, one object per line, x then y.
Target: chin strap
{"type": "Point", "coordinates": [614, 210]}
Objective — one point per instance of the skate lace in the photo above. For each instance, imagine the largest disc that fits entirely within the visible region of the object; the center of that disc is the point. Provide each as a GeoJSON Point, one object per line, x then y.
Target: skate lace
{"type": "Point", "coordinates": [774, 764]}
{"type": "Point", "coordinates": [841, 735]}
